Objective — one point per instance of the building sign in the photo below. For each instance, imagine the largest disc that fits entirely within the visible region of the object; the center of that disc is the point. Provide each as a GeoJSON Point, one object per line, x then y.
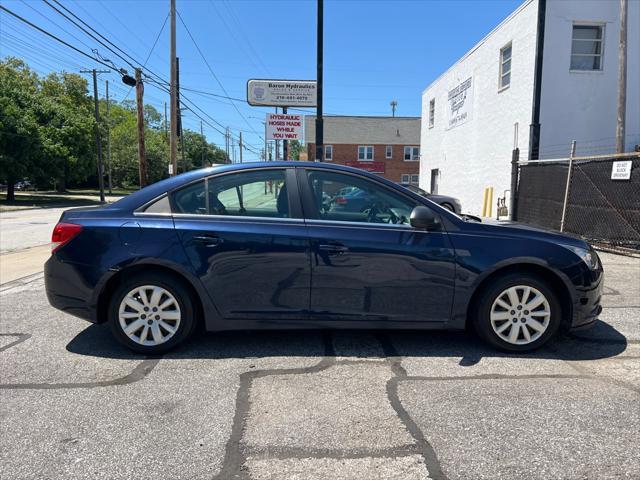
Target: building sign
{"type": "Point", "coordinates": [621, 170]}
{"type": "Point", "coordinates": [460, 103]}
{"type": "Point", "coordinates": [373, 167]}
{"type": "Point", "coordinates": [284, 127]}
{"type": "Point", "coordinates": [282, 93]}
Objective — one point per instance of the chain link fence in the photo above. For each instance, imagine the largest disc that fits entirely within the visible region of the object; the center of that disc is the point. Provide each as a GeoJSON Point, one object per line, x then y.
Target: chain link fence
{"type": "Point", "coordinates": [596, 197]}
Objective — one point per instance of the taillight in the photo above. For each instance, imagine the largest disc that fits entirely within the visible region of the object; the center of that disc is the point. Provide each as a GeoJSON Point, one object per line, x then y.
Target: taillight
{"type": "Point", "coordinates": [341, 200]}
{"type": "Point", "coordinates": [62, 233]}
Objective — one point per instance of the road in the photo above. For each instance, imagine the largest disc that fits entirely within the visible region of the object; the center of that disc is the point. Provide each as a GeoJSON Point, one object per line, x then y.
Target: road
{"type": "Point", "coordinates": [22, 229]}
{"type": "Point", "coordinates": [317, 405]}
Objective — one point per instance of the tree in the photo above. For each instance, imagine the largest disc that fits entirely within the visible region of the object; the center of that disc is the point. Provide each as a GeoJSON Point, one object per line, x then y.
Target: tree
{"type": "Point", "coordinates": [20, 142]}
{"type": "Point", "coordinates": [67, 129]}
{"type": "Point", "coordinates": [295, 147]}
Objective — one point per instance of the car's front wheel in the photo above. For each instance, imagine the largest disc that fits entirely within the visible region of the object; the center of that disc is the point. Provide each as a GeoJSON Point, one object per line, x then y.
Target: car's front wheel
{"type": "Point", "coordinates": [151, 314]}
{"type": "Point", "coordinates": [518, 312]}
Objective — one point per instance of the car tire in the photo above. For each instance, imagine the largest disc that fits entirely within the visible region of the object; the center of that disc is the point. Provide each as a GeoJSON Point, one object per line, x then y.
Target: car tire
{"type": "Point", "coordinates": [448, 206]}
{"type": "Point", "coordinates": [518, 313]}
{"type": "Point", "coordinates": [152, 313]}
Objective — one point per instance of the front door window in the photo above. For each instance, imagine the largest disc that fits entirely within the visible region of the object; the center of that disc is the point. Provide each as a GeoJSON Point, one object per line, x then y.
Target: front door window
{"type": "Point", "coordinates": [343, 197]}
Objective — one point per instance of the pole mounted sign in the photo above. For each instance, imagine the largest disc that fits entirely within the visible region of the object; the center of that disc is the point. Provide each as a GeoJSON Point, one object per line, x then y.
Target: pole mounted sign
{"type": "Point", "coordinates": [284, 127]}
{"type": "Point", "coordinates": [282, 93]}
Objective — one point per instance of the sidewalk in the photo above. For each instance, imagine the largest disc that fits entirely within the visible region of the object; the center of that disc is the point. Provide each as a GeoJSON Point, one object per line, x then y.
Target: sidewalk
{"type": "Point", "coordinates": [16, 265]}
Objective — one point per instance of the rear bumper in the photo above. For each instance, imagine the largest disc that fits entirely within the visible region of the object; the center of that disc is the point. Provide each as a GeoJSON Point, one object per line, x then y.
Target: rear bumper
{"type": "Point", "coordinates": [69, 288]}
{"type": "Point", "coordinates": [588, 305]}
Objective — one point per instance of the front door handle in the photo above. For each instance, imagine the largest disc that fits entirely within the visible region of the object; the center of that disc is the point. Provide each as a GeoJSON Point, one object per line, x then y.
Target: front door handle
{"type": "Point", "coordinates": [208, 240]}
{"type": "Point", "coordinates": [333, 248]}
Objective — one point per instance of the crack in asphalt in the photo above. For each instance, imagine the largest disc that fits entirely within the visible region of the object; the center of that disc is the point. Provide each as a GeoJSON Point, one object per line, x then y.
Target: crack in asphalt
{"type": "Point", "coordinates": [282, 453]}
{"type": "Point", "coordinates": [140, 371]}
{"type": "Point", "coordinates": [21, 338]}
{"type": "Point", "coordinates": [235, 457]}
{"type": "Point", "coordinates": [236, 454]}
{"type": "Point", "coordinates": [428, 453]}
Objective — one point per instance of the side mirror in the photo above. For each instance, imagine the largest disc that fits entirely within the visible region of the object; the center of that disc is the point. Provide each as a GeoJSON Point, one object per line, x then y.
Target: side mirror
{"type": "Point", "coordinates": [424, 219]}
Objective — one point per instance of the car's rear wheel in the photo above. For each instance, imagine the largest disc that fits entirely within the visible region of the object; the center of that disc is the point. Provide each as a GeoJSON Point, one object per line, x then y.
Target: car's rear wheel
{"type": "Point", "coordinates": [151, 313]}
{"type": "Point", "coordinates": [448, 206]}
{"type": "Point", "coordinates": [518, 313]}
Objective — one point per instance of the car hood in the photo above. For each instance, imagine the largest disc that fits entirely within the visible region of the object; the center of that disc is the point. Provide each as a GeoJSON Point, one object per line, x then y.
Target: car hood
{"type": "Point", "coordinates": [516, 229]}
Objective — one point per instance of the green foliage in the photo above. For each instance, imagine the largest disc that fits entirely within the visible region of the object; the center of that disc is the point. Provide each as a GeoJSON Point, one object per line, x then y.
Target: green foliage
{"type": "Point", "coordinates": [47, 134]}
{"type": "Point", "coordinates": [295, 147]}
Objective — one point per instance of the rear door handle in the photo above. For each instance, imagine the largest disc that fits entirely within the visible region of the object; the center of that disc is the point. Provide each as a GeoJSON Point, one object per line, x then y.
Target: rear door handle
{"type": "Point", "coordinates": [208, 240]}
{"type": "Point", "coordinates": [333, 248]}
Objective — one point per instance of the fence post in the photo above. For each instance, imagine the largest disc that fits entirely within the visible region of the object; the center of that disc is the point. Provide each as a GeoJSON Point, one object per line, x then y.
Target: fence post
{"type": "Point", "coordinates": [513, 203]}
{"type": "Point", "coordinates": [566, 189]}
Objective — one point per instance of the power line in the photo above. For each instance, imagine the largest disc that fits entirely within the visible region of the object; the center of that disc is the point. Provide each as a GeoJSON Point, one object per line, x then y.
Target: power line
{"type": "Point", "coordinates": [215, 76]}
{"type": "Point", "coordinates": [58, 39]}
{"type": "Point", "coordinates": [159, 80]}
{"type": "Point", "coordinates": [84, 30]}
{"type": "Point", "coordinates": [151, 51]}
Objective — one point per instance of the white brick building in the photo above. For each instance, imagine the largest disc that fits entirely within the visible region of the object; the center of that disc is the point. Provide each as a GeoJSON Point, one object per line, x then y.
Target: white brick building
{"type": "Point", "coordinates": [469, 112]}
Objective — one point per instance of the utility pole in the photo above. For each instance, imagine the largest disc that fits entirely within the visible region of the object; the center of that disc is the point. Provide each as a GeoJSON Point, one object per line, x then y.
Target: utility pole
{"type": "Point", "coordinates": [142, 161]}
{"type": "Point", "coordinates": [393, 104]}
{"type": "Point", "coordinates": [319, 124]}
{"type": "Point", "coordinates": [226, 143]}
{"type": "Point", "coordinates": [277, 144]}
{"type": "Point", "coordinates": [204, 143]}
{"type": "Point", "coordinates": [622, 79]}
{"type": "Point", "coordinates": [240, 147]}
{"type": "Point", "coordinates": [285, 142]}
{"type": "Point", "coordinates": [166, 123]}
{"type": "Point", "coordinates": [95, 72]}
{"type": "Point", "coordinates": [109, 141]}
{"type": "Point", "coordinates": [173, 145]}
{"type": "Point", "coordinates": [179, 115]}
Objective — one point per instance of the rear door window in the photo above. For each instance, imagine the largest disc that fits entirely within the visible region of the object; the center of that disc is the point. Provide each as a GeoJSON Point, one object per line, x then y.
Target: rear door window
{"type": "Point", "coordinates": [258, 193]}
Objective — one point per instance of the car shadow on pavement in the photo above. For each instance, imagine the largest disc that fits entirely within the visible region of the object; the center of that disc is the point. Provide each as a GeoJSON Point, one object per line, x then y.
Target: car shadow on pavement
{"type": "Point", "coordinates": [599, 342]}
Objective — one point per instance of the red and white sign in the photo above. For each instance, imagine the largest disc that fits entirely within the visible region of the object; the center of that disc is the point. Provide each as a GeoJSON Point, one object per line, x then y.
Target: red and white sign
{"type": "Point", "coordinates": [284, 127]}
{"type": "Point", "coordinates": [373, 167]}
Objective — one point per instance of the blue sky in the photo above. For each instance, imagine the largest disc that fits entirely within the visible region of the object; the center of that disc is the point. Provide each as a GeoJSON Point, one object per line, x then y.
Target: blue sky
{"type": "Point", "coordinates": [375, 51]}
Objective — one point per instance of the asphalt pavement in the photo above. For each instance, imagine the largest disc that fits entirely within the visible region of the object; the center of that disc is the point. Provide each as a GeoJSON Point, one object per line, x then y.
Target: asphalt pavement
{"type": "Point", "coordinates": [318, 405]}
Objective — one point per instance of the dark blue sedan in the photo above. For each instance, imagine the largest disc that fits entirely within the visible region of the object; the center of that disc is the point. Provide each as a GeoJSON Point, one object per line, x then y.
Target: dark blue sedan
{"type": "Point", "coordinates": [254, 246]}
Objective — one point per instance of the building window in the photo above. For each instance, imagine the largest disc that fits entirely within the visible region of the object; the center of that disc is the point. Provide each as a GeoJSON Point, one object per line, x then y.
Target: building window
{"type": "Point", "coordinates": [505, 67]}
{"type": "Point", "coordinates": [389, 152]}
{"type": "Point", "coordinates": [409, 179]}
{"type": "Point", "coordinates": [411, 154]}
{"type": "Point", "coordinates": [432, 112]}
{"type": "Point", "coordinates": [586, 47]}
{"type": "Point", "coordinates": [328, 153]}
{"type": "Point", "coordinates": [365, 154]}
{"type": "Point", "coordinates": [435, 180]}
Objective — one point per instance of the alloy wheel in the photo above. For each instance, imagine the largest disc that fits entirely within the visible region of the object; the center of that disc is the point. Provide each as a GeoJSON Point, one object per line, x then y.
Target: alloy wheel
{"type": "Point", "coordinates": [520, 315]}
{"type": "Point", "coordinates": [149, 315]}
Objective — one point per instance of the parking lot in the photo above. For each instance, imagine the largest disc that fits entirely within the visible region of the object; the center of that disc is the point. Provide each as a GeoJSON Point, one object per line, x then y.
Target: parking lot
{"type": "Point", "coordinates": [342, 405]}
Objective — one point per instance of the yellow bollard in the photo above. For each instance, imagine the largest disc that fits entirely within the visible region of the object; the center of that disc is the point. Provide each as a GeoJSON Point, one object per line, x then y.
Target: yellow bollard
{"type": "Point", "coordinates": [487, 204]}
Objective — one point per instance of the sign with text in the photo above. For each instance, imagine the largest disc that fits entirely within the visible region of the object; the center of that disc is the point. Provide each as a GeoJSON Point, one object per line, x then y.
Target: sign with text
{"type": "Point", "coordinates": [621, 170]}
{"type": "Point", "coordinates": [284, 127]}
{"type": "Point", "coordinates": [460, 103]}
{"type": "Point", "coordinates": [282, 93]}
{"type": "Point", "coordinates": [373, 167]}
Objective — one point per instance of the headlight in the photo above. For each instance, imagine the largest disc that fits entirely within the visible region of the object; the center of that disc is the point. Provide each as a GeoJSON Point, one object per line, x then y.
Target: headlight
{"type": "Point", "coordinates": [587, 255]}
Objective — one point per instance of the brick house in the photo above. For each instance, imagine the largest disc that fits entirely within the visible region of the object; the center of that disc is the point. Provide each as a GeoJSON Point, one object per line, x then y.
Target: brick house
{"type": "Point", "coordinates": [388, 146]}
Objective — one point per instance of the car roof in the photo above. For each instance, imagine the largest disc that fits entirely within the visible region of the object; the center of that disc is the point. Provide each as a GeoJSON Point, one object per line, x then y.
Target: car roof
{"type": "Point", "coordinates": [141, 197]}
